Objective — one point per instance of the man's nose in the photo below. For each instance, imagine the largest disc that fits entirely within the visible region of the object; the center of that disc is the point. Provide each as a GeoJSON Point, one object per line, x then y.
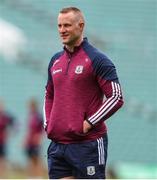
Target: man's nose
{"type": "Point", "coordinates": [62, 29]}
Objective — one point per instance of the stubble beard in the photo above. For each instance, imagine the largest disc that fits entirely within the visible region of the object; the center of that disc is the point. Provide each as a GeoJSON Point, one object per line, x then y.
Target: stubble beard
{"type": "Point", "coordinates": [71, 42]}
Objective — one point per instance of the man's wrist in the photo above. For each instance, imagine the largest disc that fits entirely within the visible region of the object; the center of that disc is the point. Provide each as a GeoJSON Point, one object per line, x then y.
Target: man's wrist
{"type": "Point", "coordinates": [89, 122]}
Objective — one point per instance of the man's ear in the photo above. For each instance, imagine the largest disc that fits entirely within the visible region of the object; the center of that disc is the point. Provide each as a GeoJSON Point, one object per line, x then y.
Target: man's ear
{"type": "Point", "coordinates": [81, 24]}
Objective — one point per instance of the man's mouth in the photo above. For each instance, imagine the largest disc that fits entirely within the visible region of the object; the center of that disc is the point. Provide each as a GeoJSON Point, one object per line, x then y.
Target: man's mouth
{"type": "Point", "coordinates": [64, 36]}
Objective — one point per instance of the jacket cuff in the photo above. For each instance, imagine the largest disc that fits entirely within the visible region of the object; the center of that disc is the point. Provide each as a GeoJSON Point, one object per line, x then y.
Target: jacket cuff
{"type": "Point", "coordinates": [89, 122]}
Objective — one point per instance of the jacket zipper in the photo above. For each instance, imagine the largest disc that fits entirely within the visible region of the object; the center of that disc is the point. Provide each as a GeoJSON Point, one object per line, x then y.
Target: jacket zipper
{"type": "Point", "coordinates": [68, 66]}
{"type": "Point", "coordinates": [69, 60]}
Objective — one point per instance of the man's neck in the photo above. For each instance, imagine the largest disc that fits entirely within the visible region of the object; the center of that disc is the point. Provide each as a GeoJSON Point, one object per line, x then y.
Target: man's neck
{"type": "Point", "coordinates": [71, 48]}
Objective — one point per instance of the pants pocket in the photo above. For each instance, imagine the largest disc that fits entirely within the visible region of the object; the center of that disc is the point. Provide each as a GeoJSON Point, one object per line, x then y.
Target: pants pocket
{"type": "Point", "coordinates": [51, 148]}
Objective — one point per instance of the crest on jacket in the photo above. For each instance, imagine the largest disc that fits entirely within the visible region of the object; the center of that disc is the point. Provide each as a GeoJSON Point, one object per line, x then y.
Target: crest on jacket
{"type": "Point", "coordinates": [79, 69]}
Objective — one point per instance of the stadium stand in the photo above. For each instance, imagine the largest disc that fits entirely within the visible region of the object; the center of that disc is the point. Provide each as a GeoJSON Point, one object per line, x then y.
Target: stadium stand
{"type": "Point", "coordinates": [126, 31]}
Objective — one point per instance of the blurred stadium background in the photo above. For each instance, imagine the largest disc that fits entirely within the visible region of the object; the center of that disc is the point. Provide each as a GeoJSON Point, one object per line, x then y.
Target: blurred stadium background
{"type": "Point", "coordinates": [127, 32]}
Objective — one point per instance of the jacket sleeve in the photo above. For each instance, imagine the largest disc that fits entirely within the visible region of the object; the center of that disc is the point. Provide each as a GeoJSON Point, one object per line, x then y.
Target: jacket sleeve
{"type": "Point", "coordinates": [48, 100]}
{"type": "Point", "coordinates": [107, 79]}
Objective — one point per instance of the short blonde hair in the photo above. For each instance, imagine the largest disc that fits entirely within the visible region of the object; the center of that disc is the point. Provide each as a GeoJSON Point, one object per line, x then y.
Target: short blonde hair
{"type": "Point", "coordinates": [74, 10]}
{"type": "Point", "coordinates": [69, 9]}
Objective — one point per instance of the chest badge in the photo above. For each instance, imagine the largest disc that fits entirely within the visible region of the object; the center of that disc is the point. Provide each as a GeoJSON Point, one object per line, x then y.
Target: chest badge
{"type": "Point", "coordinates": [79, 69]}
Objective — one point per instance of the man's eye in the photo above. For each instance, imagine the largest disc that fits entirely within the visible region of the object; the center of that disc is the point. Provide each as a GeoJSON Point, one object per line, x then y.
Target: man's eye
{"type": "Point", "coordinates": [67, 25]}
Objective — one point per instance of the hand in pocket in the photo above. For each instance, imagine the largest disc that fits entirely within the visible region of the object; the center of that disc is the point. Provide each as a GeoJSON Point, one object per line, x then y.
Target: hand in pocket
{"type": "Point", "coordinates": [86, 126]}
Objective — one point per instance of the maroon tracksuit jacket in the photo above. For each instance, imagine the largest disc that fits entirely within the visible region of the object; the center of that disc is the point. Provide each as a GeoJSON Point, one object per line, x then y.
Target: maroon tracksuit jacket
{"type": "Point", "coordinates": [82, 85]}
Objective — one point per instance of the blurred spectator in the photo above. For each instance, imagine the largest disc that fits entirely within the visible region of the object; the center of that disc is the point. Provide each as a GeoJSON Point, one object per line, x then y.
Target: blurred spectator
{"type": "Point", "coordinates": [34, 139]}
{"type": "Point", "coordinates": [6, 122]}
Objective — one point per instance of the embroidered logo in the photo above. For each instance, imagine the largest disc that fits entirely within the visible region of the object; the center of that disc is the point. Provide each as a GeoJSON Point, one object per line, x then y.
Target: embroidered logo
{"type": "Point", "coordinates": [56, 71]}
{"type": "Point", "coordinates": [79, 69]}
{"type": "Point", "coordinates": [90, 170]}
{"type": "Point", "coordinates": [86, 60]}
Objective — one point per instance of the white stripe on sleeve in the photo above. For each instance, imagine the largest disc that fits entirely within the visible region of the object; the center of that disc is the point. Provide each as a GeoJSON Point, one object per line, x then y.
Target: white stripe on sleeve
{"type": "Point", "coordinates": [108, 104]}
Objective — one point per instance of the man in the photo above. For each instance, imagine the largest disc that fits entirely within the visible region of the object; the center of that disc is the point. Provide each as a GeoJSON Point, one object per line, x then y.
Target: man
{"type": "Point", "coordinates": [6, 124]}
{"type": "Point", "coordinates": [82, 91]}
{"type": "Point", "coordinates": [34, 139]}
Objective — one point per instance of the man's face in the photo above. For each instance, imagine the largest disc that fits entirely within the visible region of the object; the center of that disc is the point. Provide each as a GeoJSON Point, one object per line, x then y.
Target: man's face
{"type": "Point", "coordinates": [70, 28]}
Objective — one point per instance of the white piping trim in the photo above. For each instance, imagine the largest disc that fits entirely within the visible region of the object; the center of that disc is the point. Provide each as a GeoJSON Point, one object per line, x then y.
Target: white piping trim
{"type": "Point", "coordinates": [44, 115]}
{"type": "Point", "coordinates": [108, 105]}
{"type": "Point", "coordinates": [101, 151]}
